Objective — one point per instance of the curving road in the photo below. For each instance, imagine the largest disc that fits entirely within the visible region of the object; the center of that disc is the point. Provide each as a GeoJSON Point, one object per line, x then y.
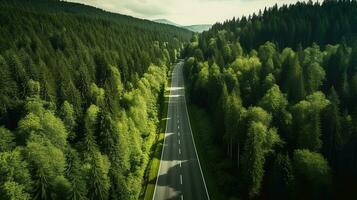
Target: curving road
{"type": "Point", "coordinates": [180, 175]}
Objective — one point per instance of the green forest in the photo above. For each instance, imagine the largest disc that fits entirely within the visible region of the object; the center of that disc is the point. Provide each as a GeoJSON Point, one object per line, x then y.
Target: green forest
{"type": "Point", "coordinates": [281, 88]}
{"type": "Point", "coordinates": [82, 93]}
{"type": "Point", "coordinates": [80, 96]}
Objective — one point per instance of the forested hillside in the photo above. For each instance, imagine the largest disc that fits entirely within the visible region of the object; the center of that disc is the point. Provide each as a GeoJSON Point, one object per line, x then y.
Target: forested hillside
{"type": "Point", "coordinates": [295, 26]}
{"type": "Point", "coordinates": [80, 90]}
{"type": "Point", "coordinates": [281, 87]}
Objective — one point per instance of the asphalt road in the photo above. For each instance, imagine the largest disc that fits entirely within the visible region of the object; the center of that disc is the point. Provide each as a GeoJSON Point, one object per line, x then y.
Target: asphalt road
{"type": "Point", "coordinates": [180, 175]}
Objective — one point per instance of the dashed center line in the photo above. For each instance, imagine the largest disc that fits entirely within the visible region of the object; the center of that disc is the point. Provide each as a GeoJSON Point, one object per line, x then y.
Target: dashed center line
{"type": "Point", "coordinates": [179, 141]}
{"type": "Point", "coordinates": [179, 151]}
{"type": "Point", "coordinates": [181, 196]}
{"type": "Point", "coordinates": [181, 179]}
{"type": "Point", "coordinates": [179, 134]}
{"type": "Point", "coordinates": [180, 163]}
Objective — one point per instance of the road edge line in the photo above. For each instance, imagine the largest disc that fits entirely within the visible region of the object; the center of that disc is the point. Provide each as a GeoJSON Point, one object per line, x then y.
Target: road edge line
{"type": "Point", "coordinates": [163, 146]}
{"type": "Point", "coordinates": [193, 139]}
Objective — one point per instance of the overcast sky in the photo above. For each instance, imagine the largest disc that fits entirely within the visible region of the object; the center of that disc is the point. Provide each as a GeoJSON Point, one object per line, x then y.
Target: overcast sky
{"type": "Point", "coordinates": [185, 12]}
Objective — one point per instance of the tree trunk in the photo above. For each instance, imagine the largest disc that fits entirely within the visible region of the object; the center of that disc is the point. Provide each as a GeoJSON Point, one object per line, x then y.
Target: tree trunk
{"type": "Point", "coordinates": [231, 150]}
{"type": "Point", "coordinates": [238, 151]}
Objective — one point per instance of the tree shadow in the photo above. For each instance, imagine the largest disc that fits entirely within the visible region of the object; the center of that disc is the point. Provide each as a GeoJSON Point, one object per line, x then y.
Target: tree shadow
{"type": "Point", "coordinates": [169, 184]}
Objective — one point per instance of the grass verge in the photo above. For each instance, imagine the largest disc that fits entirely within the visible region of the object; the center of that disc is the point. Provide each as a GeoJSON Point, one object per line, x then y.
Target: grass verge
{"type": "Point", "coordinates": [209, 153]}
{"type": "Point", "coordinates": [154, 163]}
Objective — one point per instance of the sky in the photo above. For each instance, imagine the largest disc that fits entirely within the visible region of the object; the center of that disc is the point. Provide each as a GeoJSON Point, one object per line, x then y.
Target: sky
{"type": "Point", "coordinates": [185, 12]}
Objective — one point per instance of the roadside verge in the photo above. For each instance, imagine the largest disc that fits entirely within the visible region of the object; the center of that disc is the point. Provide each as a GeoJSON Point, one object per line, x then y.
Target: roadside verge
{"type": "Point", "coordinates": [154, 163]}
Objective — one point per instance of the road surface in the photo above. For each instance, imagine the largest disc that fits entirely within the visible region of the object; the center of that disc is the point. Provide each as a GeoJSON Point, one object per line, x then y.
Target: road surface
{"type": "Point", "coordinates": [180, 175]}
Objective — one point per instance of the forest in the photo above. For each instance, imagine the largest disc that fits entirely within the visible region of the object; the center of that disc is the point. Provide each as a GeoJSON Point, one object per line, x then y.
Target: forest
{"type": "Point", "coordinates": [80, 97]}
{"type": "Point", "coordinates": [281, 88]}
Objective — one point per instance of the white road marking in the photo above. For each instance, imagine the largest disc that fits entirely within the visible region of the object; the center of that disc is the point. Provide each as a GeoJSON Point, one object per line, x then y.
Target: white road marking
{"type": "Point", "coordinates": [179, 134]}
{"type": "Point", "coordinates": [179, 151]}
{"type": "Point", "coordinates": [169, 111]}
{"type": "Point", "coordinates": [179, 141]}
{"type": "Point", "coordinates": [194, 146]}
{"type": "Point", "coordinates": [175, 75]}
{"type": "Point", "coordinates": [180, 163]}
{"type": "Point", "coordinates": [181, 179]}
{"type": "Point", "coordinates": [178, 127]}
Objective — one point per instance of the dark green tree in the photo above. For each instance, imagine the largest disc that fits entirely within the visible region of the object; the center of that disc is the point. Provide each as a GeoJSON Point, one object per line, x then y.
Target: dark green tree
{"type": "Point", "coordinates": [313, 174]}
{"type": "Point", "coordinates": [282, 183]}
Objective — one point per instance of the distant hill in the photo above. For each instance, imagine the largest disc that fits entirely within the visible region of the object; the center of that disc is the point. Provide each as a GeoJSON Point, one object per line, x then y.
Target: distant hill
{"type": "Point", "coordinates": [165, 21]}
{"type": "Point", "coordinates": [195, 28]}
{"type": "Point", "coordinates": [199, 27]}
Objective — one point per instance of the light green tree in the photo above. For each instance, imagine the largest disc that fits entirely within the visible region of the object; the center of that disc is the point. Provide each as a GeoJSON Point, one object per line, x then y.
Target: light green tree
{"type": "Point", "coordinates": [312, 171]}
{"type": "Point", "coordinates": [7, 142]}
{"type": "Point", "coordinates": [307, 121]}
{"type": "Point", "coordinates": [260, 141]}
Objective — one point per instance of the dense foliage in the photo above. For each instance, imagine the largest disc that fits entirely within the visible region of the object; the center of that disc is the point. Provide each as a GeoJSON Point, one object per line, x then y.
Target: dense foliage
{"type": "Point", "coordinates": [286, 117]}
{"type": "Point", "coordinates": [79, 99]}
{"type": "Point", "coordinates": [291, 26]}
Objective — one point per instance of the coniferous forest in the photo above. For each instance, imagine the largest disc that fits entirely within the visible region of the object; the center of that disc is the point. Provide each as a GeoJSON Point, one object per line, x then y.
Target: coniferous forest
{"type": "Point", "coordinates": [82, 93]}
{"type": "Point", "coordinates": [281, 89]}
{"type": "Point", "coordinates": [81, 90]}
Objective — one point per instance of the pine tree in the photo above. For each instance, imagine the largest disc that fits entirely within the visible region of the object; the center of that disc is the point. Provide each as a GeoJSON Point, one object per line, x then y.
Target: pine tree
{"type": "Point", "coordinates": [331, 128]}
{"type": "Point", "coordinates": [282, 184]}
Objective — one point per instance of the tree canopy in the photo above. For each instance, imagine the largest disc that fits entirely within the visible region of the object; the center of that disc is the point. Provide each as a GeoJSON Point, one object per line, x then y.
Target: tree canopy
{"type": "Point", "coordinates": [80, 98]}
{"type": "Point", "coordinates": [286, 109]}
